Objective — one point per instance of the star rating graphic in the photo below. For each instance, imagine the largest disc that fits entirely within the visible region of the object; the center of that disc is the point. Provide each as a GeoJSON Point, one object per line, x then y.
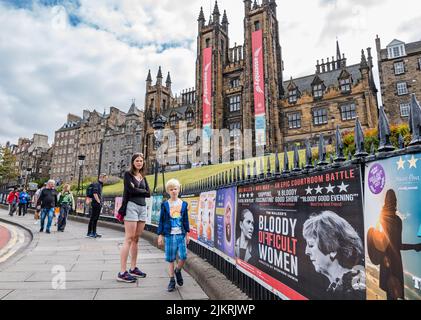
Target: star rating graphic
{"type": "Point", "coordinates": [412, 163]}
{"type": "Point", "coordinates": [247, 195]}
{"type": "Point", "coordinates": [319, 190]}
{"type": "Point", "coordinates": [343, 187]}
{"type": "Point", "coordinates": [330, 188]}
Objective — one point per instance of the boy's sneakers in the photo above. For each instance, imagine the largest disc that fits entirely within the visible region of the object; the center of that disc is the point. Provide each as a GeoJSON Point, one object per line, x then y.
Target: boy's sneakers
{"type": "Point", "coordinates": [97, 235]}
{"type": "Point", "coordinates": [90, 235]}
{"type": "Point", "coordinates": [179, 277]}
{"type": "Point", "coordinates": [137, 273]}
{"type": "Point", "coordinates": [171, 285]}
{"type": "Point", "coordinates": [126, 277]}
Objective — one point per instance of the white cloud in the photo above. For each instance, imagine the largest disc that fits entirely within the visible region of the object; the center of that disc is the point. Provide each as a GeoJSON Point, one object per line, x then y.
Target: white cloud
{"type": "Point", "coordinates": [49, 67]}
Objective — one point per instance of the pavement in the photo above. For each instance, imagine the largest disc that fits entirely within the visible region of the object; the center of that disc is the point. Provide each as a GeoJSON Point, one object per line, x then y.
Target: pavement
{"type": "Point", "coordinates": [68, 266]}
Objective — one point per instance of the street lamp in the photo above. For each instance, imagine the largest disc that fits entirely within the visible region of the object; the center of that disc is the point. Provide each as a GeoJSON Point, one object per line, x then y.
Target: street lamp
{"type": "Point", "coordinates": [81, 159]}
{"type": "Point", "coordinates": [158, 125]}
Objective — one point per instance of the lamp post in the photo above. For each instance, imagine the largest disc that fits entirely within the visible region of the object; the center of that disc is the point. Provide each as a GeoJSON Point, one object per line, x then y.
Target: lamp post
{"type": "Point", "coordinates": [81, 159]}
{"type": "Point", "coordinates": [158, 125]}
{"type": "Point", "coordinates": [28, 173]}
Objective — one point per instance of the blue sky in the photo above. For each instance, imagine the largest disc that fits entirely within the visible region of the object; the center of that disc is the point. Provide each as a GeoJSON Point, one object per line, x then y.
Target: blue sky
{"type": "Point", "coordinates": [64, 56]}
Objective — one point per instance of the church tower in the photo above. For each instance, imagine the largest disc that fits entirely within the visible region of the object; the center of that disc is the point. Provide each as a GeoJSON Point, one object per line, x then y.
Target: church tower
{"type": "Point", "coordinates": [263, 80]}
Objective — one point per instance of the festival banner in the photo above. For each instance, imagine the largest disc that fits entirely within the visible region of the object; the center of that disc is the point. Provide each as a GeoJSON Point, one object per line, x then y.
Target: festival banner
{"type": "Point", "coordinates": [108, 208]}
{"type": "Point", "coordinates": [193, 207]}
{"type": "Point", "coordinates": [259, 88]}
{"type": "Point", "coordinates": [206, 218]}
{"type": "Point", "coordinates": [148, 210]}
{"type": "Point", "coordinates": [156, 209]}
{"type": "Point", "coordinates": [80, 205]}
{"type": "Point", "coordinates": [303, 236]}
{"type": "Point", "coordinates": [207, 98]}
{"type": "Point", "coordinates": [393, 228]}
{"type": "Point", "coordinates": [225, 222]}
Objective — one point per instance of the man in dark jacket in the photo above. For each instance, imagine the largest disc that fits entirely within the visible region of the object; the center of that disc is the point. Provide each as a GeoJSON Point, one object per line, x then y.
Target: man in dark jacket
{"type": "Point", "coordinates": [47, 201]}
{"type": "Point", "coordinates": [96, 206]}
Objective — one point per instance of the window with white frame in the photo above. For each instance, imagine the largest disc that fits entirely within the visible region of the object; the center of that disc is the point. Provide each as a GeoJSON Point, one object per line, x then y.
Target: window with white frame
{"type": "Point", "coordinates": [172, 141]}
{"type": "Point", "coordinates": [294, 120]}
{"type": "Point", "coordinates": [234, 103]}
{"type": "Point", "coordinates": [396, 51]}
{"type": "Point", "coordinates": [399, 68]}
{"type": "Point", "coordinates": [348, 112]}
{"type": "Point", "coordinates": [320, 116]}
{"type": "Point", "coordinates": [293, 96]}
{"type": "Point", "coordinates": [404, 107]}
{"type": "Point", "coordinates": [345, 85]}
{"type": "Point", "coordinates": [235, 129]}
{"type": "Point", "coordinates": [318, 91]}
{"type": "Point", "coordinates": [402, 88]}
{"type": "Point", "coordinates": [235, 83]}
{"type": "Point", "coordinates": [173, 120]}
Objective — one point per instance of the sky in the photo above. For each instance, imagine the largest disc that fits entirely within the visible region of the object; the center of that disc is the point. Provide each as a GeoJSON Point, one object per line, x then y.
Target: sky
{"type": "Point", "coordinates": [64, 56]}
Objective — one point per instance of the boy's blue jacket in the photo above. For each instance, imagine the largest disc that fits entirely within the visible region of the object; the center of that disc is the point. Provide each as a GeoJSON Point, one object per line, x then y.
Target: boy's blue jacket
{"type": "Point", "coordinates": [164, 227]}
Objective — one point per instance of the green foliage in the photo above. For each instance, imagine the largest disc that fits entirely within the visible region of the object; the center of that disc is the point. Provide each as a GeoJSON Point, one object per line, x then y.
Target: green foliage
{"type": "Point", "coordinates": [8, 171]}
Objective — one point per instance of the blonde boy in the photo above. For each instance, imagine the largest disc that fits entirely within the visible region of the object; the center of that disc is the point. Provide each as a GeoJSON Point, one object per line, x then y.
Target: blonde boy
{"type": "Point", "coordinates": [174, 228]}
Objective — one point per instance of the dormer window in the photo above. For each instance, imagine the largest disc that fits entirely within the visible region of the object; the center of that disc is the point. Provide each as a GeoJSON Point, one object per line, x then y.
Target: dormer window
{"type": "Point", "coordinates": [189, 117]}
{"type": "Point", "coordinates": [397, 50]}
{"type": "Point", "coordinates": [173, 120]}
{"type": "Point", "coordinates": [293, 96]}
{"type": "Point", "coordinates": [318, 91]}
{"type": "Point", "coordinates": [345, 85]}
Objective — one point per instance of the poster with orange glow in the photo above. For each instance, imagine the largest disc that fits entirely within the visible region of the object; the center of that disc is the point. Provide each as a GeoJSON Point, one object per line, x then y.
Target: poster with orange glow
{"type": "Point", "coordinates": [393, 234]}
{"type": "Point", "coordinates": [206, 218]}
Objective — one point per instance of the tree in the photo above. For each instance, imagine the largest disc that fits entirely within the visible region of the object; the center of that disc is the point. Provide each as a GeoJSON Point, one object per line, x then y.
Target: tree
{"type": "Point", "coordinates": [8, 170]}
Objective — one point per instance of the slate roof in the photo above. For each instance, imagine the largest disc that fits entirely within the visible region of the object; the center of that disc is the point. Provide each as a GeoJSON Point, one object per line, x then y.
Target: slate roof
{"type": "Point", "coordinates": [329, 78]}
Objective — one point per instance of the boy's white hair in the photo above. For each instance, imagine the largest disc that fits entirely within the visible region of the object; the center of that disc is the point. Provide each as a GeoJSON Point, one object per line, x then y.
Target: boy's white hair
{"type": "Point", "coordinates": [173, 183]}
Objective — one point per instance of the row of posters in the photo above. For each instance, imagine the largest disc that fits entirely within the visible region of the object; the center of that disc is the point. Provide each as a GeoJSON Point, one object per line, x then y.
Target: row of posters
{"type": "Point", "coordinates": [317, 237]}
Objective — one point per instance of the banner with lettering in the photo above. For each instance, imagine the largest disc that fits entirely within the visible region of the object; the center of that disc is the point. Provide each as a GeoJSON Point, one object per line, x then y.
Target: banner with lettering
{"type": "Point", "coordinates": [393, 228]}
{"type": "Point", "coordinates": [207, 98]}
{"type": "Point", "coordinates": [259, 88]}
{"type": "Point", "coordinates": [302, 237]}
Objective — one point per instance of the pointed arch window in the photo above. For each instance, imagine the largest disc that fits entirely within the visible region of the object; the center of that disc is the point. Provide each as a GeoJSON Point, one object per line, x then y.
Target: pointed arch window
{"type": "Point", "coordinates": [189, 116]}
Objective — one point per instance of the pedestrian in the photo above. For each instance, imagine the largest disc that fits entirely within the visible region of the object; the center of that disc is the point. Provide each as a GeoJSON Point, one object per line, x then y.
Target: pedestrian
{"type": "Point", "coordinates": [174, 228]}
{"type": "Point", "coordinates": [13, 201]}
{"type": "Point", "coordinates": [35, 201]}
{"type": "Point", "coordinates": [66, 203]}
{"type": "Point", "coordinates": [94, 195]}
{"type": "Point", "coordinates": [23, 202]}
{"type": "Point", "coordinates": [136, 190]}
{"type": "Point", "coordinates": [47, 202]}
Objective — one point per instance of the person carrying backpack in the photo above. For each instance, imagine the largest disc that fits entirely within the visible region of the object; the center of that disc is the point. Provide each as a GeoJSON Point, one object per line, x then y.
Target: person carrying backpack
{"type": "Point", "coordinates": [23, 202]}
{"type": "Point", "coordinates": [66, 203]}
{"type": "Point", "coordinates": [94, 195]}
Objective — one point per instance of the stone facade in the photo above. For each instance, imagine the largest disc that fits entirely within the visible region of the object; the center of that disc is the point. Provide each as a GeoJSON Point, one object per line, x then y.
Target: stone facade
{"type": "Point", "coordinates": [121, 142]}
{"type": "Point", "coordinates": [296, 109]}
{"type": "Point", "coordinates": [66, 145]}
{"type": "Point", "coordinates": [400, 76]}
{"type": "Point", "coordinates": [34, 154]}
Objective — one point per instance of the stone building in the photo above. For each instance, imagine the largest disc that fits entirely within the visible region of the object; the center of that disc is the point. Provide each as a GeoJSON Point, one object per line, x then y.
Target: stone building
{"type": "Point", "coordinates": [335, 95]}
{"type": "Point", "coordinates": [34, 154]}
{"type": "Point", "coordinates": [400, 76]}
{"type": "Point", "coordinates": [231, 79]}
{"type": "Point", "coordinates": [122, 141]}
{"type": "Point", "coordinates": [64, 166]}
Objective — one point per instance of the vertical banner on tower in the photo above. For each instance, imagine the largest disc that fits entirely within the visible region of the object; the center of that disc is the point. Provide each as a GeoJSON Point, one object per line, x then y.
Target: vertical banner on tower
{"type": "Point", "coordinates": [259, 88]}
{"type": "Point", "coordinates": [207, 99]}
{"type": "Point", "coordinates": [393, 228]}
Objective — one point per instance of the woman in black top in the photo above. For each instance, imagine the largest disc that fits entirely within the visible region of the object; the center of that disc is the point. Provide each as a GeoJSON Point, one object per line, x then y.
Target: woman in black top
{"type": "Point", "coordinates": [136, 190]}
